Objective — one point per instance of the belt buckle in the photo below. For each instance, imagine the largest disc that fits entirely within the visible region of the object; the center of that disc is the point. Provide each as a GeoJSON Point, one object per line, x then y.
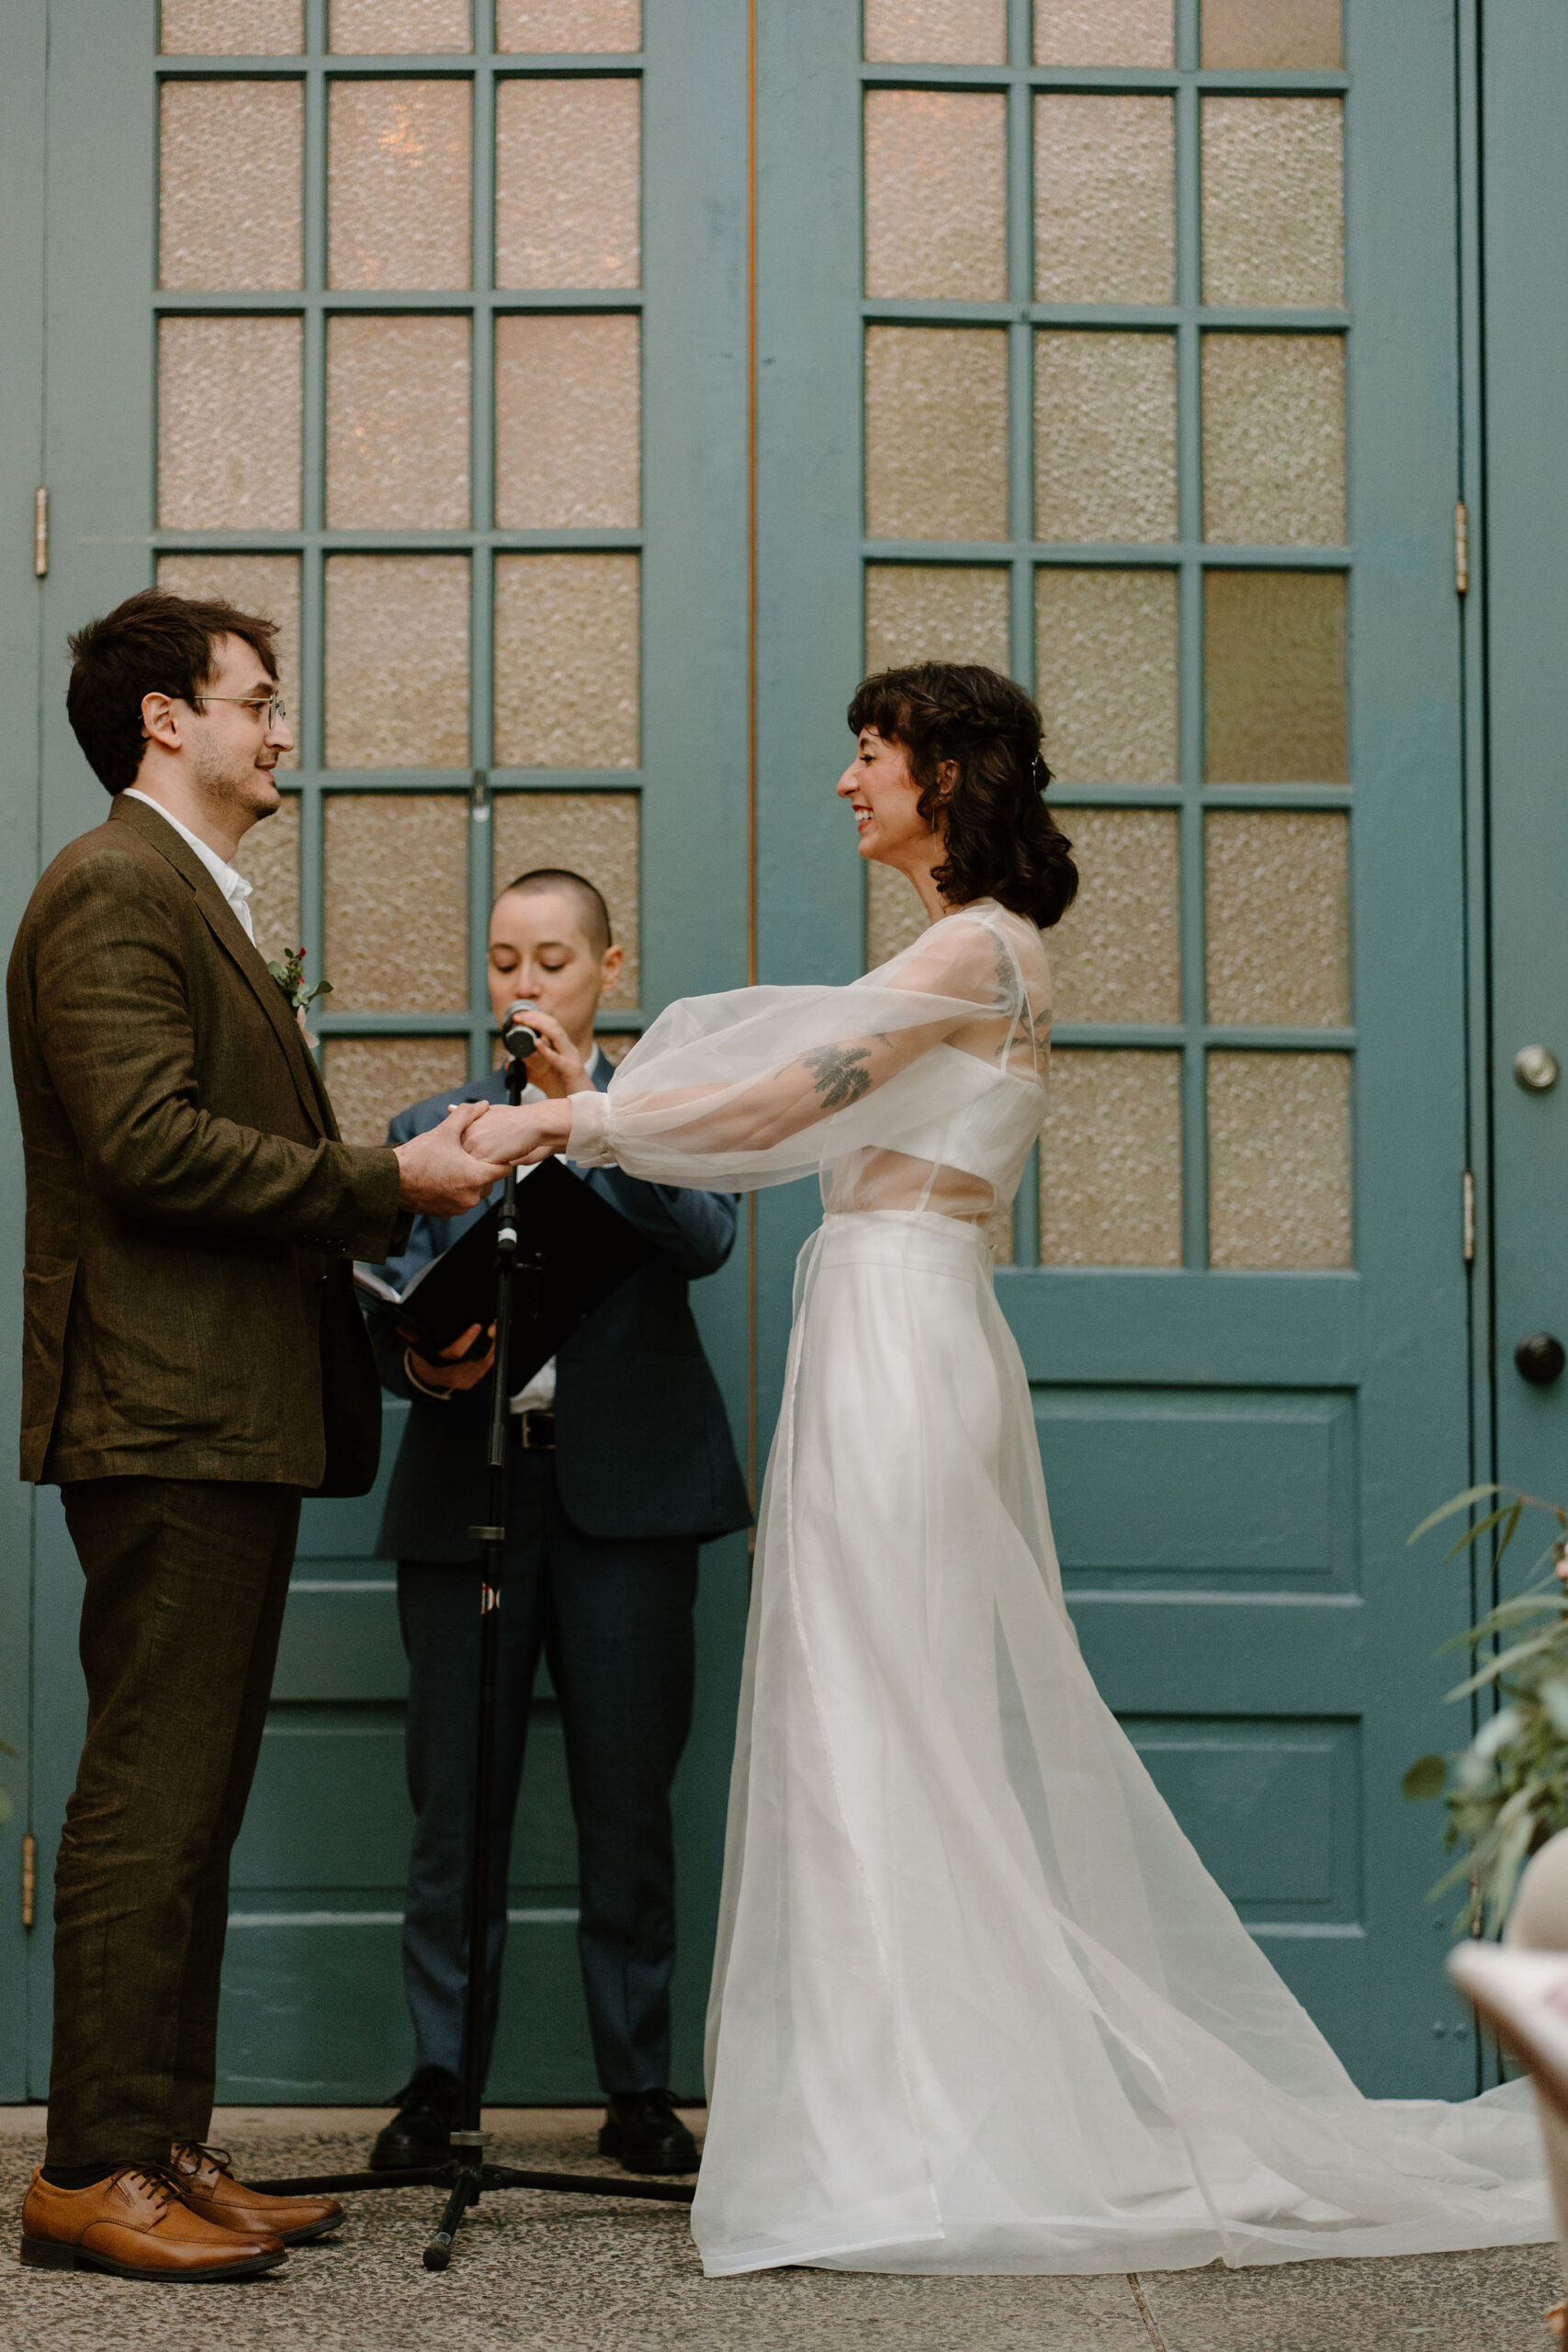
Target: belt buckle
{"type": "Point", "coordinates": [536, 1430]}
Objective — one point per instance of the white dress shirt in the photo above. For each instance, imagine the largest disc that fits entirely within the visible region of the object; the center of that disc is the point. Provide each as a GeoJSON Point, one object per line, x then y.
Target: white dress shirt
{"type": "Point", "coordinates": [235, 886]}
{"type": "Point", "coordinates": [540, 1394]}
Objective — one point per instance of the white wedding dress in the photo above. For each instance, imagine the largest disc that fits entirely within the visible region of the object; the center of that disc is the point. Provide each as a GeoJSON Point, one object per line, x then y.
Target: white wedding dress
{"type": "Point", "coordinates": [978, 2006]}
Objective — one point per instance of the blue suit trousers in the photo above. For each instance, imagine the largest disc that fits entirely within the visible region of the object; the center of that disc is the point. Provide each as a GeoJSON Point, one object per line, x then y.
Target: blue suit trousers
{"type": "Point", "coordinates": [614, 1621]}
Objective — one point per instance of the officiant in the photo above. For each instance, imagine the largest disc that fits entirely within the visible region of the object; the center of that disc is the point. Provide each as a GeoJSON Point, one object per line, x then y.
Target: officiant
{"type": "Point", "coordinates": [622, 1465]}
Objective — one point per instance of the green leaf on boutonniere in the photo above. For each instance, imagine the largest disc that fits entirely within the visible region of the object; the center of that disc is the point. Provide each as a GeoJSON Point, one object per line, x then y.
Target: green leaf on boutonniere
{"type": "Point", "coordinates": [290, 978]}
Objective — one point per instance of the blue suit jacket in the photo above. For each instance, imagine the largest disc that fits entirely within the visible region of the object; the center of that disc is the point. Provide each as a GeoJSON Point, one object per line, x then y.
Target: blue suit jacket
{"type": "Point", "coordinates": [643, 1446]}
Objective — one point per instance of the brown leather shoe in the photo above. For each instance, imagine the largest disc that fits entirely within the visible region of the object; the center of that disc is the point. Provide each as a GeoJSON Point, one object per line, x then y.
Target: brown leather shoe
{"type": "Point", "coordinates": [204, 2179]}
{"type": "Point", "coordinates": [134, 2224]}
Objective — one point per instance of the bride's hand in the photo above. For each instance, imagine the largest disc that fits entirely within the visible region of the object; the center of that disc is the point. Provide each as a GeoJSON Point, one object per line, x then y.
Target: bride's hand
{"type": "Point", "coordinates": [531, 1132]}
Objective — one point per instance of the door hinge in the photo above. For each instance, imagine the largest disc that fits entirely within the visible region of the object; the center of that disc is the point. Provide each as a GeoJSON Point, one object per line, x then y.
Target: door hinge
{"type": "Point", "coordinates": [41, 532]}
{"type": "Point", "coordinates": [1469, 1218]}
{"type": "Point", "coordinates": [1461, 548]}
{"type": "Point", "coordinates": [30, 1878]}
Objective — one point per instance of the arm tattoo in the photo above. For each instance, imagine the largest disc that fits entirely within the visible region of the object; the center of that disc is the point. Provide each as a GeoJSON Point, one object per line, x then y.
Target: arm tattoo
{"type": "Point", "coordinates": [836, 1076]}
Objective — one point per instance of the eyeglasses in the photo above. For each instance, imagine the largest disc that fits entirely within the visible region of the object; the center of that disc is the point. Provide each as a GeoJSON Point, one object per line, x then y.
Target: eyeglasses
{"type": "Point", "coordinates": [272, 705]}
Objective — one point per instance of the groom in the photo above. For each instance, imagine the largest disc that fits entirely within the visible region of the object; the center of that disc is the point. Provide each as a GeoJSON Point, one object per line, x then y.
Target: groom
{"type": "Point", "coordinates": [194, 1363]}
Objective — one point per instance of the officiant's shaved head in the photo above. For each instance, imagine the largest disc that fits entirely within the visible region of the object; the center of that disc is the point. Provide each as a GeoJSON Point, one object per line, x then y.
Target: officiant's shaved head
{"type": "Point", "coordinates": [559, 882]}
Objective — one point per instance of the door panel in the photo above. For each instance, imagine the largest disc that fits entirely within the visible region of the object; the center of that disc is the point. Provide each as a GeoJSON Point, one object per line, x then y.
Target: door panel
{"type": "Point", "coordinates": [21, 403]}
{"type": "Point", "coordinates": [1135, 374]}
{"type": "Point", "coordinates": [330, 337]}
{"type": "Point", "coordinates": [1524, 79]}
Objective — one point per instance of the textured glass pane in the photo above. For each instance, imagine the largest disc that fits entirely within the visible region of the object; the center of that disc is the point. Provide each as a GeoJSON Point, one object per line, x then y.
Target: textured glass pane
{"type": "Point", "coordinates": [1103, 32]}
{"type": "Point", "coordinates": [567, 27]}
{"type": "Point", "coordinates": [1278, 925]}
{"type": "Point", "coordinates": [232, 27]}
{"type": "Point", "coordinates": [397, 901]}
{"type": "Point", "coordinates": [893, 915]}
{"type": "Point", "coordinates": [397, 424]}
{"type": "Point", "coordinates": [1116, 954]}
{"type": "Point", "coordinates": [268, 857]}
{"type": "Point", "coordinates": [1274, 439]}
{"type": "Point", "coordinates": [936, 433]}
{"type": "Point", "coordinates": [1105, 674]}
{"type": "Point", "coordinates": [1279, 1159]}
{"type": "Point", "coordinates": [1273, 200]}
{"type": "Point", "coordinates": [567, 661]}
{"type": "Point", "coordinates": [229, 416]}
{"type": "Point", "coordinates": [567, 422]}
{"type": "Point", "coordinates": [1274, 677]}
{"type": "Point", "coordinates": [229, 157]}
{"type": "Point", "coordinates": [1104, 199]}
{"type": "Point", "coordinates": [935, 611]}
{"type": "Point", "coordinates": [590, 833]}
{"type": "Point", "coordinates": [1110, 1160]}
{"type": "Point", "coordinates": [937, 32]}
{"type": "Point", "coordinates": [396, 666]}
{"type": "Point", "coordinates": [370, 1080]}
{"type": "Point", "coordinates": [1104, 435]}
{"type": "Point", "coordinates": [398, 184]}
{"type": "Point", "coordinates": [568, 198]}
{"type": "Point", "coordinates": [936, 194]}
{"type": "Point", "coordinates": [385, 28]}
{"type": "Point", "coordinates": [1283, 33]}
{"type": "Point", "coordinates": [265, 585]}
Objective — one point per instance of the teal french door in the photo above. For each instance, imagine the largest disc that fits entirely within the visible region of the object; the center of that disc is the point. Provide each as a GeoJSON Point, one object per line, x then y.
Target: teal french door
{"type": "Point", "coordinates": [1122, 349]}
{"type": "Point", "coordinates": [1522, 67]}
{"type": "Point", "coordinates": [419, 325]}
{"type": "Point", "coordinates": [1145, 363]}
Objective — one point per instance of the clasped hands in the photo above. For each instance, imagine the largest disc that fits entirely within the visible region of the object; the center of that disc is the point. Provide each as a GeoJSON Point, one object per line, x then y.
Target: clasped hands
{"type": "Point", "coordinates": [452, 1166]}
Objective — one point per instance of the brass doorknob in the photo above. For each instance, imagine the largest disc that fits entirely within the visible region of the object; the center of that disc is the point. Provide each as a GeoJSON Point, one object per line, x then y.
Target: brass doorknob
{"type": "Point", "coordinates": [1540, 1359]}
{"type": "Point", "coordinates": [1535, 1067]}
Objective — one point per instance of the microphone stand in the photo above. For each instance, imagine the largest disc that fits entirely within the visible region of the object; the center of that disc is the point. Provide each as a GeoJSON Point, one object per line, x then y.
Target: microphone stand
{"type": "Point", "coordinates": [466, 2174]}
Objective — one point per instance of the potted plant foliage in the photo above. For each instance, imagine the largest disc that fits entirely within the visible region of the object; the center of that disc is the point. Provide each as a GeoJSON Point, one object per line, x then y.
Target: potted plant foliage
{"type": "Point", "coordinates": [1507, 1793]}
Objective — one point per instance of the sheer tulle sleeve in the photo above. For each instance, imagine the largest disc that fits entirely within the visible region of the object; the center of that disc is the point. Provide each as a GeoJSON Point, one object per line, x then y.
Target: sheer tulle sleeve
{"type": "Point", "coordinates": [759, 1086]}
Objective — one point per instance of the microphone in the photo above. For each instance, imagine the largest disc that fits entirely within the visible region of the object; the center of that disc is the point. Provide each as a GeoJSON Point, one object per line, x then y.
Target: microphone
{"type": "Point", "coordinates": [518, 1038]}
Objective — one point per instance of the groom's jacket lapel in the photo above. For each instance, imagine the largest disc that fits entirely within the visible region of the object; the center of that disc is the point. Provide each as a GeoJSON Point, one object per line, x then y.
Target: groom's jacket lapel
{"type": "Point", "coordinates": [231, 936]}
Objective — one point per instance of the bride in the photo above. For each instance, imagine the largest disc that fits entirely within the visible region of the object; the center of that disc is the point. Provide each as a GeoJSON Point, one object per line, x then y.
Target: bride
{"type": "Point", "coordinates": [977, 2004]}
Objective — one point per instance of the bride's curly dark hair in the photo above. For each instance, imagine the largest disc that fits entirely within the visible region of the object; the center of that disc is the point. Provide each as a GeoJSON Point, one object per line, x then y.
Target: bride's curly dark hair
{"type": "Point", "coordinates": [1002, 842]}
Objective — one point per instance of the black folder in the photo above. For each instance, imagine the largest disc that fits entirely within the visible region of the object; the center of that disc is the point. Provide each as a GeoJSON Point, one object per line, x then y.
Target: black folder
{"type": "Point", "coordinates": [573, 1250]}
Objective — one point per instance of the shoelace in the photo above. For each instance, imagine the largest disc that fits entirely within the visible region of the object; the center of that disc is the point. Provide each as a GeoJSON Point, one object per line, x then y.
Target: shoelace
{"type": "Point", "coordinates": [156, 2180]}
{"type": "Point", "coordinates": [189, 2156]}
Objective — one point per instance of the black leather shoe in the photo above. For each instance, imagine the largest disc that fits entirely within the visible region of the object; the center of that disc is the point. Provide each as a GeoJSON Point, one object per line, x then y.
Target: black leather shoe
{"type": "Point", "coordinates": [417, 2133]}
{"type": "Point", "coordinates": [643, 2129]}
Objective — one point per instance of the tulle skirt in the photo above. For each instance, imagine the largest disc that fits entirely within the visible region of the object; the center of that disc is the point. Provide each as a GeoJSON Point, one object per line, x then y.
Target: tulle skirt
{"type": "Point", "coordinates": [978, 2006]}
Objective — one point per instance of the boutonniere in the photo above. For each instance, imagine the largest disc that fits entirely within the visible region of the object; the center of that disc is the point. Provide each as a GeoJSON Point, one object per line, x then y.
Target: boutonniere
{"type": "Point", "coordinates": [290, 978]}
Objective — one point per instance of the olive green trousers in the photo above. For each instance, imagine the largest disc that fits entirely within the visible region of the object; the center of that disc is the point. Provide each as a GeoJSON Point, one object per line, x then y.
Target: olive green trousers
{"type": "Point", "coordinates": [186, 1585]}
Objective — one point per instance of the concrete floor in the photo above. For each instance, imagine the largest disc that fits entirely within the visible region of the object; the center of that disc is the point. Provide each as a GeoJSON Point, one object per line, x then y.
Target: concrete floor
{"type": "Point", "coordinates": [564, 2274]}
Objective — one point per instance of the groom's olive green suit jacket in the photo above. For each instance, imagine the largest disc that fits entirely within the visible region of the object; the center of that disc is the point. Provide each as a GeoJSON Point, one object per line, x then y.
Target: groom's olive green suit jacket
{"type": "Point", "coordinates": [189, 1309]}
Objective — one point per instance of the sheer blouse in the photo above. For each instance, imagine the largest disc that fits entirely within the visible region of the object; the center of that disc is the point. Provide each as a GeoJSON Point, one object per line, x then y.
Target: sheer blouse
{"type": "Point", "coordinates": [920, 1087]}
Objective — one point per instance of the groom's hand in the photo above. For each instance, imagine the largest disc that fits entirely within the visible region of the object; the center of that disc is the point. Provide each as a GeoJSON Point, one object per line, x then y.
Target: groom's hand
{"type": "Point", "coordinates": [438, 1178]}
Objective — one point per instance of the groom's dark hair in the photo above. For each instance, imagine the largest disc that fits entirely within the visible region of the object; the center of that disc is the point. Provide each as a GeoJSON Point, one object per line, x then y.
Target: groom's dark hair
{"type": "Point", "coordinates": [155, 643]}
{"type": "Point", "coordinates": [1002, 842]}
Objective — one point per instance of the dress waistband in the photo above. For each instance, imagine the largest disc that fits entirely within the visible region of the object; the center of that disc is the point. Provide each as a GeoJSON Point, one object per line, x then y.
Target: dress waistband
{"type": "Point", "coordinates": [905, 1237]}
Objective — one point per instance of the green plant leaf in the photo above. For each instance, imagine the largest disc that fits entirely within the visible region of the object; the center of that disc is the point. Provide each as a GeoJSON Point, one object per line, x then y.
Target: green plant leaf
{"type": "Point", "coordinates": [1460, 1502]}
{"type": "Point", "coordinates": [1428, 1777]}
{"type": "Point", "coordinates": [1509, 1511]}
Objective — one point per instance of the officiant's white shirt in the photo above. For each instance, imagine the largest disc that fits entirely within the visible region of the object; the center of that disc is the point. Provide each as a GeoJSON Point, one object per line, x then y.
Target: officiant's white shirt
{"type": "Point", "coordinates": [540, 1392]}
{"type": "Point", "coordinates": [235, 886]}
